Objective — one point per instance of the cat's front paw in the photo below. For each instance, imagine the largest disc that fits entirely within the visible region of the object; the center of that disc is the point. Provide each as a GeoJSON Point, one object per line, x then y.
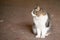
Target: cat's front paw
{"type": "Point", "coordinates": [37, 36]}
{"type": "Point", "coordinates": [42, 36]}
{"type": "Point", "coordinates": [47, 34]}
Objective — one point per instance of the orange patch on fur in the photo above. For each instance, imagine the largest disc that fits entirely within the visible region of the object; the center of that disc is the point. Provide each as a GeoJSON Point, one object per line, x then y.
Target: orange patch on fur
{"type": "Point", "coordinates": [43, 14]}
{"type": "Point", "coordinates": [39, 11]}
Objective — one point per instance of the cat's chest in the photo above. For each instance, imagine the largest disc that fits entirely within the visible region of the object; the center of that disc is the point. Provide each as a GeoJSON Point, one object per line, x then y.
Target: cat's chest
{"type": "Point", "coordinates": [40, 20]}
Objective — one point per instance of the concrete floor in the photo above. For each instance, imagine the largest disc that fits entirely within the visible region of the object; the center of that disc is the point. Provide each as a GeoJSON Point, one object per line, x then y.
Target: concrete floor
{"type": "Point", "coordinates": [16, 19]}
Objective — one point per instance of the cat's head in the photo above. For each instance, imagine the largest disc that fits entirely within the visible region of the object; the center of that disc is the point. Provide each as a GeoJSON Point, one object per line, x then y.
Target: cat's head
{"type": "Point", "coordinates": [37, 11]}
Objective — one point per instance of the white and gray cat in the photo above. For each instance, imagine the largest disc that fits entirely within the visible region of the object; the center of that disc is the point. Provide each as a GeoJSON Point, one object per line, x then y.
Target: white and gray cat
{"type": "Point", "coordinates": [41, 22]}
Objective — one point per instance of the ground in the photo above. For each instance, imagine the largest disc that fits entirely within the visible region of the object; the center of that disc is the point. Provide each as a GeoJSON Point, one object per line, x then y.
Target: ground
{"type": "Point", "coordinates": [16, 20]}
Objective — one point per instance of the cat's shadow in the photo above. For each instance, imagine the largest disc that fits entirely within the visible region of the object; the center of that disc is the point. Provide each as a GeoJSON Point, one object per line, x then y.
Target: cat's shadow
{"type": "Point", "coordinates": [26, 26]}
{"type": "Point", "coordinates": [29, 27]}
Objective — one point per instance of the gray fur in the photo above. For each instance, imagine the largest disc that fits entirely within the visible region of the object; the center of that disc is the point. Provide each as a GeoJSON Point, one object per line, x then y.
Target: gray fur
{"type": "Point", "coordinates": [48, 23]}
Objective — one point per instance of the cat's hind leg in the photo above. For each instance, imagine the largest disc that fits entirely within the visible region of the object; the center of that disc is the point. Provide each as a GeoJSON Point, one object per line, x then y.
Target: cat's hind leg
{"type": "Point", "coordinates": [44, 32]}
{"type": "Point", "coordinates": [34, 30]}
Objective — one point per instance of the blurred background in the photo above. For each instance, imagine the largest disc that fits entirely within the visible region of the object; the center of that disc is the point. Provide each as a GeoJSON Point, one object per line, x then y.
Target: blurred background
{"type": "Point", "coordinates": [16, 20]}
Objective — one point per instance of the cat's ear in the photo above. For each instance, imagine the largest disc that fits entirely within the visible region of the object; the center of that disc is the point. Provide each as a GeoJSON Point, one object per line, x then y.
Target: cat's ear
{"type": "Point", "coordinates": [37, 8]}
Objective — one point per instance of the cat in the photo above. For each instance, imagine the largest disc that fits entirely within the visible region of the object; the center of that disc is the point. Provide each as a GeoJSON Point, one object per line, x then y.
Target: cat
{"type": "Point", "coordinates": [41, 22]}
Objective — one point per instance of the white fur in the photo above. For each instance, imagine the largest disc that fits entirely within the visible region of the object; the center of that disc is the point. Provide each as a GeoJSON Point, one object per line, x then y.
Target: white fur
{"type": "Point", "coordinates": [40, 29]}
